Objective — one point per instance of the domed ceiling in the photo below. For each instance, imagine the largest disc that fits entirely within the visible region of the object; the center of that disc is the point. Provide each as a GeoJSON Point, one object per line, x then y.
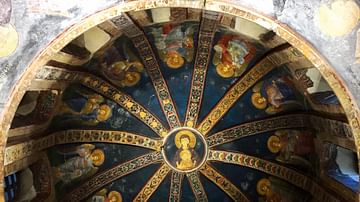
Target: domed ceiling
{"type": "Point", "coordinates": [187, 110]}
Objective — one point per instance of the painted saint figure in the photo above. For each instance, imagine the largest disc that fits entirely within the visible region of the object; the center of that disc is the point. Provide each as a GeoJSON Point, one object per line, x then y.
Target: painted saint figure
{"type": "Point", "coordinates": [232, 55]}
{"type": "Point", "coordinates": [88, 109]}
{"type": "Point", "coordinates": [293, 146]}
{"type": "Point", "coordinates": [186, 156]}
{"type": "Point", "coordinates": [122, 68]}
{"type": "Point", "coordinates": [175, 44]}
{"type": "Point", "coordinates": [80, 166]}
{"type": "Point", "coordinates": [274, 95]}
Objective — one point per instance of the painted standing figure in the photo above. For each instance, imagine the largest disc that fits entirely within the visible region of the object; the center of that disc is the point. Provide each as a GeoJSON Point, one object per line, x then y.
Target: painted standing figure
{"type": "Point", "coordinates": [275, 95]}
{"type": "Point", "coordinates": [175, 44]}
{"type": "Point", "coordinates": [79, 166]}
{"type": "Point", "coordinates": [292, 146]}
{"type": "Point", "coordinates": [88, 109]}
{"type": "Point", "coordinates": [186, 157]}
{"type": "Point", "coordinates": [232, 55]}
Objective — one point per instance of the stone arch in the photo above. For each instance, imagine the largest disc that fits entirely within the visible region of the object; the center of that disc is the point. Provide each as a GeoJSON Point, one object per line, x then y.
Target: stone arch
{"type": "Point", "coordinates": [328, 72]}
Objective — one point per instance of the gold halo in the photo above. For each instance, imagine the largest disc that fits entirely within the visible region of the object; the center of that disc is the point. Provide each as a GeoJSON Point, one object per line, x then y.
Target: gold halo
{"type": "Point", "coordinates": [192, 138]}
{"type": "Point", "coordinates": [100, 157]}
{"type": "Point", "coordinates": [107, 115]}
{"type": "Point", "coordinates": [258, 101]}
{"type": "Point", "coordinates": [263, 186]}
{"type": "Point", "coordinates": [225, 71]}
{"type": "Point", "coordinates": [273, 144]}
{"type": "Point", "coordinates": [131, 78]}
{"type": "Point", "coordinates": [8, 40]}
{"type": "Point", "coordinates": [115, 194]}
{"type": "Point", "coordinates": [174, 60]}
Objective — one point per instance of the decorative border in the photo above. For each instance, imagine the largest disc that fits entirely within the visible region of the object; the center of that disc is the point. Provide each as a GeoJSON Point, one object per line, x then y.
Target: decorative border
{"type": "Point", "coordinates": [176, 186]}
{"type": "Point", "coordinates": [112, 174]}
{"type": "Point", "coordinates": [262, 165]}
{"type": "Point", "coordinates": [223, 183]}
{"type": "Point", "coordinates": [16, 152]}
{"type": "Point", "coordinates": [106, 89]}
{"type": "Point", "coordinates": [208, 26]}
{"type": "Point", "coordinates": [196, 186]}
{"type": "Point", "coordinates": [336, 83]}
{"type": "Point", "coordinates": [332, 128]}
{"type": "Point", "coordinates": [256, 127]}
{"type": "Point", "coordinates": [20, 164]}
{"type": "Point", "coordinates": [141, 43]}
{"type": "Point", "coordinates": [115, 137]}
{"type": "Point", "coordinates": [152, 184]}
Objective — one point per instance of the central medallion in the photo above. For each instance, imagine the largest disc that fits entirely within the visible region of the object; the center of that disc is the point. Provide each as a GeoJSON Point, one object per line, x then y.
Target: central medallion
{"type": "Point", "coordinates": [184, 149]}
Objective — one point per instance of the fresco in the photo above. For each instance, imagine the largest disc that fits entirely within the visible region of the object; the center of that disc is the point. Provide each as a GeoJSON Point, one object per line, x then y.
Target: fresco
{"type": "Point", "coordinates": [294, 147]}
{"type": "Point", "coordinates": [181, 75]}
{"type": "Point", "coordinates": [184, 166]}
{"type": "Point", "coordinates": [275, 94]}
{"type": "Point", "coordinates": [83, 163]}
{"type": "Point", "coordinates": [175, 43]}
{"type": "Point", "coordinates": [82, 108]}
{"type": "Point", "coordinates": [87, 108]}
{"type": "Point", "coordinates": [232, 55]}
{"type": "Point", "coordinates": [216, 85]}
{"type": "Point", "coordinates": [125, 70]}
{"type": "Point", "coordinates": [122, 67]}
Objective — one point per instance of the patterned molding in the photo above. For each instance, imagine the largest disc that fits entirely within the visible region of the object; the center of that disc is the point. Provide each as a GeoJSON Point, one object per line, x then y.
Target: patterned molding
{"type": "Point", "coordinates": [196, 186]}
{"type": "Point", "coordinates": [224, 184]}
{"type": "Point", "coordinates": [256, 127]}
{"type": "Point", "coordinates": [21, 164]}
{"type": "Point", "coordinates": [176, 186]}
{"type": "Point", "coordinates": [208, 26]}
{"type": "Point", "coordinates": [16, 152]}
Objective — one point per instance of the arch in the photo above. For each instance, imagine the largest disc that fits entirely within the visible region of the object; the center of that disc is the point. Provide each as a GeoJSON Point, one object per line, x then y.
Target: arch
{"type": "Point", "coordinates": [328, 72]}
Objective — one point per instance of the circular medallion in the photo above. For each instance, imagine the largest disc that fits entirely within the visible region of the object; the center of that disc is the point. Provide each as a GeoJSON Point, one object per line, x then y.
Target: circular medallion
{"type": "Point", "coordinates": [8, 40]}
{"type": "Point", "coordinates": [184, 149]}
